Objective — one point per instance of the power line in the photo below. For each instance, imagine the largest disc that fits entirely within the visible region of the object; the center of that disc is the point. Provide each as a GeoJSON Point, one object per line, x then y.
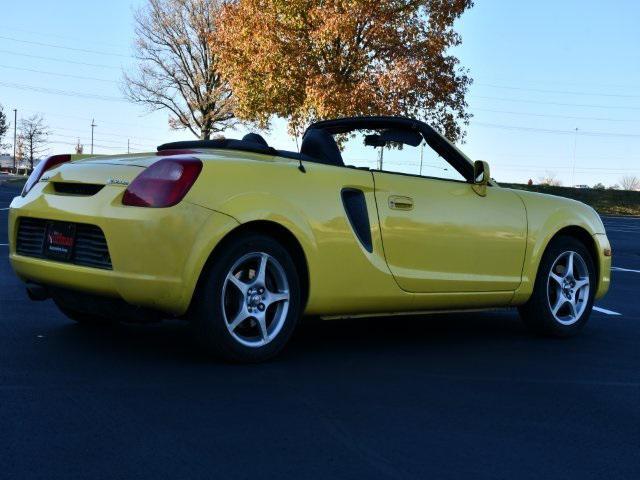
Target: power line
{"type": "Point", "coordinates": [108, 134]}
{"type": "Point", "coordinates": [561, 92]}
{"type": "Point", "coordinates": [548, 115]}
{"type": "Point", "coordinates": [554, 169]}
{"type": "Point", "coordinates": [607, 86]}
{"type": "Point", "coordinates": [40, 57]}
{"type": "Point", "coordinates": [62, 115]}
{"type": "Point", "coordinates": [68, 75]}
{"type": "Point", "coordinates": [67, 93]}
{"type": "Point", "coordinates": [558, 167]}
{"type": "Point", "coordinates": [61, 37]}
{"type": "Point", "coordinates": [102, 140]}
{"type": "Point", "coordinates": [596, 157]}
{"type": "Point", "coordinates": [106, 147]}
{"type": "Point", "coordinates": [86, 119]}
{"type": "Point", "coordinates": [557, 132]}
{"type": "Point", "coordinates": [62, 47]}
{"type": "Point", "coordinates": [539, 102]}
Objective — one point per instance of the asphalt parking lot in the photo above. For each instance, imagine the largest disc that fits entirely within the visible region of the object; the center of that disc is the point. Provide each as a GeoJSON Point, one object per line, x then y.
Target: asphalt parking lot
{"type": "Point", "coordinates": [443, 397]}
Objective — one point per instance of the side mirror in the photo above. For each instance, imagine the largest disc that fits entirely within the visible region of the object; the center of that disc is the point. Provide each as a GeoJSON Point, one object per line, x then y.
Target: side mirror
{"type": "Point", "coordinates": [481, 177]}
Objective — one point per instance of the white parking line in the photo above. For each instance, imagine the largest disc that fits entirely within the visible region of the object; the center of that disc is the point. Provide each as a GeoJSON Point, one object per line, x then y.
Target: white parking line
{"type": "Point", "coordinates": [618, 269]}
{"type": "Point", "coordinates": [604, 310]}
{"type": "Point", "coordinates": [5, 208]}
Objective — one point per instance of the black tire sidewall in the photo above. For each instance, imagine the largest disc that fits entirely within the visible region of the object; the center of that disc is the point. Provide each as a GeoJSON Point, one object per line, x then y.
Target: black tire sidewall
{"type": "Point", "coordinates": [537, 312]}
{"type": "Point", "coordinates": [207, 316]}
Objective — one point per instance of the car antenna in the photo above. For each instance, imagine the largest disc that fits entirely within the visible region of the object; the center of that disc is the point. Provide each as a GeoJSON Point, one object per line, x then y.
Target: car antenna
{"type": "Point", "coordinates": [300, 165]}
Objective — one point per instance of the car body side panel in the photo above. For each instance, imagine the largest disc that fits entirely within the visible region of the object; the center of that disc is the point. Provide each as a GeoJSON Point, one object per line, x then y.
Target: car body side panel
{"type": "Point", "coordinates": [451, 240]}
{"type": "Point", "coordinates": [547, 215]}
{"type": "Point", "coordinates": [344, 276]}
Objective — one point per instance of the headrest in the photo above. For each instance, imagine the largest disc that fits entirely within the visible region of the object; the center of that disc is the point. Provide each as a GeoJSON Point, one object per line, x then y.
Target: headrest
{"type": "Point", "coordinates": [255, 138]}
{"type": "Point", "coordinates": [319, 144]}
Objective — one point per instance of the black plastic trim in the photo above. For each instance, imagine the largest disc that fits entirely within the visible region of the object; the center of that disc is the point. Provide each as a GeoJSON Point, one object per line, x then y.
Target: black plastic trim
{"type": "Point", "coordinates": [225, 144]}
{"type": "Point", "coordinates": [355, 205]}
{"type": "Point", "coordinates": [77, 189]}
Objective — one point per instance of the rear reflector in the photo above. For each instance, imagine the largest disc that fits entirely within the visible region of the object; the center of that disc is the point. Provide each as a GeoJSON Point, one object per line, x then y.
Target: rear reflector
{"type": "Point", "coordinates": [163, 184]}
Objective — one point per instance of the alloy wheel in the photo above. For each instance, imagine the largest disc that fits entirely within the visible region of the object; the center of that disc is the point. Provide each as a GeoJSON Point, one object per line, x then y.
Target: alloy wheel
{"type": "Point", "coordinates": [255, 299]}
{"type": "Point", "coordinates": [568, 287]}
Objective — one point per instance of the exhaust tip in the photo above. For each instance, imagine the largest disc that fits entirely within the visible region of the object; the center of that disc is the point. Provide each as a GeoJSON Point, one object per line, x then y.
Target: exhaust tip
{"type": "Point", "coordinates": [37, 292]}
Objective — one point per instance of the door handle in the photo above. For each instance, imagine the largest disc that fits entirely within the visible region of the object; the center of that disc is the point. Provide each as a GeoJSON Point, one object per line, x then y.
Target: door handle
{"type": "Point", "coordinates": [398, 202]}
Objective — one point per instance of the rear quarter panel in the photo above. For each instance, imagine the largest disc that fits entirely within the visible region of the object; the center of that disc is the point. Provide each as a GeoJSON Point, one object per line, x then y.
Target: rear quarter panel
{"type": "Point", "coordinates": [344, 276]}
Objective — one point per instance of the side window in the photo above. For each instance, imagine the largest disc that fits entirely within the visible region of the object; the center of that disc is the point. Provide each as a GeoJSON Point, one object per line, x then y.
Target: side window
{"type": "Point", "coordinates": [359, 150]}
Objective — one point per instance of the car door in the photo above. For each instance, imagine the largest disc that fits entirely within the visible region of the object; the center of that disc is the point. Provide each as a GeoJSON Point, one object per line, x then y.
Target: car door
{"type": "Point", "coordinates": [440, 236]}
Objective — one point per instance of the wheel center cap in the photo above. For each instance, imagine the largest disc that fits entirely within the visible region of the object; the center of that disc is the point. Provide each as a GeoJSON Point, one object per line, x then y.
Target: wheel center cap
{"type": "Point", "coordinates": [254, 300]}
{"type": "Point", "coordinates": [567, 289]}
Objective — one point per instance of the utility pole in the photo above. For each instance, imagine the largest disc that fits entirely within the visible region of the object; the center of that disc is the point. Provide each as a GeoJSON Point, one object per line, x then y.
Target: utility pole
{"type": "Point", "coordinates": [573, 170]}
{"type": "Point", "coordinates": [381, 157]}
{"type": "Point", "coordinates": [15, 138]}
{"type": "Point", "coordinates": [421, 156]}
{"type": "Point", "coordinates": [93, 125]}
{"type": "Point", "coordinates": [127, 146]}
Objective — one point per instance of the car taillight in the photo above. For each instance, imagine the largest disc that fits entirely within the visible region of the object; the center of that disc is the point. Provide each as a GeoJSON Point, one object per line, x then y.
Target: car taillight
{"type": "Point", "coordinates": [163, 184]}
{"type": "Point", "coordinates": [43, 166]}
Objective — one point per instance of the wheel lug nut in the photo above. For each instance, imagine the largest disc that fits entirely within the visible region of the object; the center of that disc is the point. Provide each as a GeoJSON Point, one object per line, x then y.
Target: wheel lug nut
{"type": "Point", "coordinates": [261, 307]}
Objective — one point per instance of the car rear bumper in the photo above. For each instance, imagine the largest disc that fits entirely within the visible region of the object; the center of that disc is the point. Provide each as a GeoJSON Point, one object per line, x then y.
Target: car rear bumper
{"type": "Point", "coordinates": [156, 254]}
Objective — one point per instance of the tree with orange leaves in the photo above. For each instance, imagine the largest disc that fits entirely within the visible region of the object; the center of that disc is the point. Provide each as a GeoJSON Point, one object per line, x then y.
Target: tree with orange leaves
{"type": "Point", "coordinates": [305, 60]}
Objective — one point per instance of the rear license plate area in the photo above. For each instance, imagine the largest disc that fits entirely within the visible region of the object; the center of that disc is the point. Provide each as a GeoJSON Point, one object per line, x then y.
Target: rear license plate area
{"type": "Point", "coordinates": [60, 240]}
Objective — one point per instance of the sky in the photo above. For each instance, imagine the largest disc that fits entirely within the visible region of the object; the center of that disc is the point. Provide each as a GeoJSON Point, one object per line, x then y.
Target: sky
{"type": "Point", "coordinates": [541, 70]}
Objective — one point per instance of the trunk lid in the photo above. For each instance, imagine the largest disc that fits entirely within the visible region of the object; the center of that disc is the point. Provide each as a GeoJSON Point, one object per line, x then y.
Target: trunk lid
{"type": "Point", "coordinates": [116, 170]}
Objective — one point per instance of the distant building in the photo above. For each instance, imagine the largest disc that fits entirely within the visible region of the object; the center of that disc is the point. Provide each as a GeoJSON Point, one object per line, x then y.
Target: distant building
{"type": "Point", "coordinates": [6, 164]}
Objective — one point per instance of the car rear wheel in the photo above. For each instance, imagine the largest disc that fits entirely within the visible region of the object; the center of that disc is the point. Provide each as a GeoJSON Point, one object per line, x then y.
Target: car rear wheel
{"type": "Point", "coordinates": [248, 302]}
{"type": "Point", "coordinates": [562, 298]}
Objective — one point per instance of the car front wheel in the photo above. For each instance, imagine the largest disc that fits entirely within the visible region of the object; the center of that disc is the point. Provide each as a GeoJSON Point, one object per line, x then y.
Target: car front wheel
{"type": "Point", "coordinates": [562, 299]}
{"type": "Point", "coordinates": [248, 302]}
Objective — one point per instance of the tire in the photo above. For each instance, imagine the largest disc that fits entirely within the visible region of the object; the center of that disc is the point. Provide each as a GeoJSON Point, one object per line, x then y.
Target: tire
{"type": "Point", "coordinates": [247, 304]}
{"type": "Point", "coordinates": [562, 297]}
{"type": "Point", "coordinates": [83, 318]}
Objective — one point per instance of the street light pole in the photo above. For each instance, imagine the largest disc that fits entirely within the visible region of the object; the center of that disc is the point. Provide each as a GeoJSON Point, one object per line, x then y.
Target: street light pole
{"type": "Point", "coordinates": [573, 170]}
{"type": "Point", "coordinates": [15, 137]}
{"type": "Point", "coordinates": [93, 125]}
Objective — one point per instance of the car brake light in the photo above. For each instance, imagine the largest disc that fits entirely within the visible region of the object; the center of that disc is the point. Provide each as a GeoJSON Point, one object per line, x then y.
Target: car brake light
{"type": "Point", "coordinates": [163, 184]}
{"type": "Point", "coordinates": [43, 166]}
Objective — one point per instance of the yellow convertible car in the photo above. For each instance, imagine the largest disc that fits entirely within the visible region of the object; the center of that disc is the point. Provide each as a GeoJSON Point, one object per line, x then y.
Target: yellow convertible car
{"type": "Point", "coordinates": [374, 215]}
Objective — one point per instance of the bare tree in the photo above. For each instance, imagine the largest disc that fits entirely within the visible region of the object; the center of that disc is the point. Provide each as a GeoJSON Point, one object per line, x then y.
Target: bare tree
{"type": "Point", "coordinates": [33, 133]}
{"type": "Point", "coordinates": [550, 179]}
{"type": "Point", "coordinates": [630, 182]}
{"type": "Point", "coordinates": [79, 148]}
{"type": "Point", "coordinates": [4, 126]}
{"type": "Point", "coordinates": [178, 66]}
{"type": "Point", "coordinates": [19, 151]}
